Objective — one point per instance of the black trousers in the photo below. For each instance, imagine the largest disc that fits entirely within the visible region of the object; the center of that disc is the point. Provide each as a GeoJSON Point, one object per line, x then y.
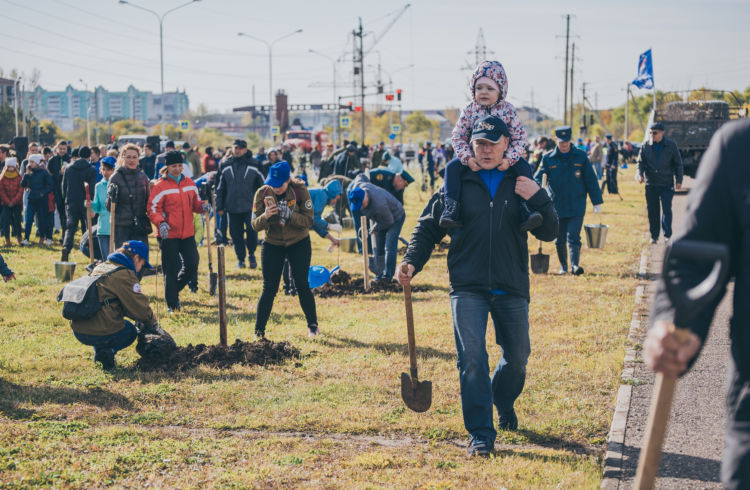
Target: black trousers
{"type": "Point", "coordinates": [10, 218]}
{"type": "Point", "coordinates": [176, 277]}
{"type": "Point", "coordinates": [735, 466]}
{"type": "Point", "coordinates": [126, 233]}
{"type": "Point", "coordinates": [243, 235]}
{"type": "Point", "coordinates": [74, 215]}
{"type": "Point", "coordinates": [272, 260]}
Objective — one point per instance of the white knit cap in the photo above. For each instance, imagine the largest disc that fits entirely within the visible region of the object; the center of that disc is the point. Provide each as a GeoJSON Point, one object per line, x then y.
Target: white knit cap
{"type": "Point", "coordinates": [11, 162]}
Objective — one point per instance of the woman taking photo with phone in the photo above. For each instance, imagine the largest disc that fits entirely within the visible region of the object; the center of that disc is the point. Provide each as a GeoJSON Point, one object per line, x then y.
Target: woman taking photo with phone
{"type": "Point", "coordinates": [284, 210]}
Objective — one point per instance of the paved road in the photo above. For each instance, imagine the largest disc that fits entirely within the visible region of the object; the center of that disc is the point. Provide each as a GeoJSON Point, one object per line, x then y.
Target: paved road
{"type": "Point", "coordinates": [695, 439]}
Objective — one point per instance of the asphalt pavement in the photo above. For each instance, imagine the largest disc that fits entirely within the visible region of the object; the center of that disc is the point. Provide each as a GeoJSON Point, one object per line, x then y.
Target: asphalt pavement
{"type": "Point", "coordinates": [695, 438]}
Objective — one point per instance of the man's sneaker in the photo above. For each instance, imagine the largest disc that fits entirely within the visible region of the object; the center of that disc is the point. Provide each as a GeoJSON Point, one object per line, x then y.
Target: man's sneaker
{"type": "Point", "coordinates": [654, 241]}
{"type": "Point", "coordinates": [106, 357]}
{"type": "Point", "coordinates": [508, 421]}
{"type": "Point", "coordinates": [563, 271]}
{"type": "Point", "coordinates": [253, 262]}
{"type": "Point", "coordinates": [240, 264]}
{"type": "Point", "coordinates": [534, 220]}
{"type": "Point", "coordinates": [479, 448]}
{"type": "Point", "coordinates": [25, 243]}
{"type": "Point", "coordinates": [667, 240]}
{"type": "Point", "coordinates": [450, 215]}
{"type": "Point", "coordinates": [174, 309]}
{"type": "Point", "coordinates": [577, 270]}
{"type": "Point", "coordinates": [260, 335]}
{"type": "Point", "coordinates": [312, 331]}
{"type": "Point", "coordinates": [48, 242]}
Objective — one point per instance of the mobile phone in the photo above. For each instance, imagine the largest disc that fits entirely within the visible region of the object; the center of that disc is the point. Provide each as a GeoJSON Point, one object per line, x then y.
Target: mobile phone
{"type": "Point", "coordinates": [269, 200]}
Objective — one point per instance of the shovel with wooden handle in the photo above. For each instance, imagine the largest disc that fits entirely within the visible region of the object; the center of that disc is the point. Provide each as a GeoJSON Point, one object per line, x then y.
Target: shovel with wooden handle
{"type": "Point", "coordinates": [112, 228]}
{"type": "Point", "coordinates": [417, 395]}
{"type": "Point", "coordinates": [687, 302]}
{"type": "Point", "coordinates": [212, 276]}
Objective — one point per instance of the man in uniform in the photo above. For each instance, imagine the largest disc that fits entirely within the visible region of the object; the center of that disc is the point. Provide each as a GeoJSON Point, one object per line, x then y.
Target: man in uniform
{"type": "Point", "coordinates": [660, 165]}
{"type": "Point", "coordinates": [392, 182]}
{"type": "Point", "coordinates": [570, 177]}
{"type": "Point", "coordinates": [377, 155]}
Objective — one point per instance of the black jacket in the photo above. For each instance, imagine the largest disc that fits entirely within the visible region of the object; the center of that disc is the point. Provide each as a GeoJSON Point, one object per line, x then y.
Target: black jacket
{"type": "Point", "coordinates": [39, 183]}
{"type": "Point", "coordinates": [55, 165]}
{"type": "Point", "coordinates": [346, 164]}
{"type": "Point", "coordinates": [131, 202]}
{"type": "Point", "coordinates": [663, 170]}
{"type": "Point", "coordinates": [148, 165]}
{"type": "Point", "coordinates": [239, 179]}
{"type": "Point", "coordinates": [74, 177]}
{"type": "Point", "coordinates": [490, 250]}
{"type": "Point", "coordinates": [719, 211]}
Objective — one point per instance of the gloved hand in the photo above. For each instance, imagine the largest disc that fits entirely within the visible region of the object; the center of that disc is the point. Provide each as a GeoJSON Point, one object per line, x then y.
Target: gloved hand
{"type": "Point", "coordinates": [164, 230]}
{"type": "Point", "coordinates": [597, 208]}
{"type": "Point", "coordinates": [206, 207]}
{"type": "Point", "coordinates": [112, 192]}
{"type": "Point", "coordinates": [285, 212]}
{"type": "Point", "coordinates": [335, 227]}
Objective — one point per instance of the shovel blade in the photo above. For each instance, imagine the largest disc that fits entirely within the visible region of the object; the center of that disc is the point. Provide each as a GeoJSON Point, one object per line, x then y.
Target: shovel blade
{"type": "Point", "coordinates": [213, 280]}
{"type": "Point", "coordinates": [417, 397]}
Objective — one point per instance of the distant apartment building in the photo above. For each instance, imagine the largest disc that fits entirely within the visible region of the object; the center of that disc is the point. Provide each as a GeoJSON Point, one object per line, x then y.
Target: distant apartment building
{"type": "Point", "coordinates": [63, 107]}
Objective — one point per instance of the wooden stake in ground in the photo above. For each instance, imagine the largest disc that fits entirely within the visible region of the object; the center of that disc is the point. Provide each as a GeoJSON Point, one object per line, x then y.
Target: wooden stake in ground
{"type": "Point", "coordinates": [112, 247]}
{"type": "Point", "coordinates": [212, 278]}
{"type": "Point", "coordinates": [365, 252]}
{"type": "Point", "coordinates": [88, 223]}
{"type": "Point", "coordinates": [222, 297]}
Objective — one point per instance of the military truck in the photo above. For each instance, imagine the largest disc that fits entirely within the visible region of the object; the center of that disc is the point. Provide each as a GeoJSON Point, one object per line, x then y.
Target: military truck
{"type": "Point", "coordinates": [691, 125]}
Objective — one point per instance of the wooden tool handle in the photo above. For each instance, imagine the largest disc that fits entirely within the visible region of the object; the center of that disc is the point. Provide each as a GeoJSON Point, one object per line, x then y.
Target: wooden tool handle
{"type": "Point", "coordinates": [112, 228]}
{"type": "Point", "coordinates": [208, 239]}
{"type": "Point", "coordinates": [656, 428]}
{"type": "Point", "coordinates": [365, 252]}
{"type": "Point", "coordinates": [410, 328]}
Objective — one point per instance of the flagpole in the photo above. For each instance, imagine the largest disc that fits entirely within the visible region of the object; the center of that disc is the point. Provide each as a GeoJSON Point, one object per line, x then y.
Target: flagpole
{"type": "Point", "coordinates": [652, 79]}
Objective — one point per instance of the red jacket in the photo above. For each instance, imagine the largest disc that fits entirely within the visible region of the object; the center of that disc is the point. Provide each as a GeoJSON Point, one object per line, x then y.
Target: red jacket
{"type": "Point", "coordinates": [11, 192]}
{"type": "Point", "coordinates": [175, 204]}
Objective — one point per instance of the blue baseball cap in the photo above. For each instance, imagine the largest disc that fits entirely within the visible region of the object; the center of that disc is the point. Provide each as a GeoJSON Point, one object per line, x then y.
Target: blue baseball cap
{"type": "Point", "coordinates": [489, 128]}
{"type": "Point", "coordinates": [278, 174]}
{"type": "Point", "coordinates": [333, 189]}
{"type": "Point", "coordinates": [139, 248]}
{"type": "Point", "coordinates": [563, 133]}
{"type": "Point", "coordinates": [109, 162]}
{"type": "Point", "coordinates": [356, 196]}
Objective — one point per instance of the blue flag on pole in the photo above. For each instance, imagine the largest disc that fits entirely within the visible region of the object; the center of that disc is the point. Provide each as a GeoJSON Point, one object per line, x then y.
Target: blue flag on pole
{"type": "Point", "coordinates": [645, 78]}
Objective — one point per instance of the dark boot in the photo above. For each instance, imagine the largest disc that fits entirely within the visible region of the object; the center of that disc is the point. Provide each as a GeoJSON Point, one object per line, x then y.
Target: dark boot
{"type": "Point", "coordinates": [106, 357]}
{"type": "Point", "coordinates": [64, 255]}
{"type": "Point", "coordinates": [451, 211]}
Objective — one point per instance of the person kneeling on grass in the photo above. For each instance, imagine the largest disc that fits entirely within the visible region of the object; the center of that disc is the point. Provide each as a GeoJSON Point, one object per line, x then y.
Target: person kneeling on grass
{"type": "Point", "coordinates": [284, 209]}
{"type": "Point", "coordinates": [107, 330]}
{"type": "Point", "coordinates": [488, 270]}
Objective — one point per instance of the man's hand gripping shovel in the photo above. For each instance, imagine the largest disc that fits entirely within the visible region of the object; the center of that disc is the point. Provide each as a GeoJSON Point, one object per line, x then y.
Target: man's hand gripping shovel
{"type": "Point", "coordinates": [687, 302]}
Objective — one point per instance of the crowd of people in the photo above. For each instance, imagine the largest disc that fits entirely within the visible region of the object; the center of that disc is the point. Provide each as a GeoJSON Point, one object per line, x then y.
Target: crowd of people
{"type": "Point", "coordinates": [492, 196]}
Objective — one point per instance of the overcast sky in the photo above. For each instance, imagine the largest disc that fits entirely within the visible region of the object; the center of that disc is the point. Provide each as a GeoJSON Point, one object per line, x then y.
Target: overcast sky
{"type": "Point", "coordinates": [104, 43]}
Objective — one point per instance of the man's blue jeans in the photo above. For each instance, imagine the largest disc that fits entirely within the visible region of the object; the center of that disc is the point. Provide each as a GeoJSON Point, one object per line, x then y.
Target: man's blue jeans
{"type": "Point", "coordinates": [386, 244]}
{"type": "Point", "coordinates": [115, 342]}
{"type": "Point", "coordinates": [656, 195]}
{"type": "Point", "coordinates": [569, 236]}
{"type": "Point", "coordinates": [510, 316]}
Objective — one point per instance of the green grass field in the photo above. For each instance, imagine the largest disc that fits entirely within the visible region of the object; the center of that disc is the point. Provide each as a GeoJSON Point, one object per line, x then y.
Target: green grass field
{"type": "Point", "coordinates": [333, 419]}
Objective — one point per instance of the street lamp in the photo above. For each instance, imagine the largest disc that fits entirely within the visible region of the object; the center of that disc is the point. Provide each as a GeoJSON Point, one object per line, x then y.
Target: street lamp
{"type": "Point", "coordinates": [270, 65]}
{"type": "Point", "coordinates": [333, 62]}
{"type": "Point", "coordinates": [88, 127]}
{"type": "Point", "coordinates": [15, 102]}
{"type": "Point", "coordinates": [161, 46]}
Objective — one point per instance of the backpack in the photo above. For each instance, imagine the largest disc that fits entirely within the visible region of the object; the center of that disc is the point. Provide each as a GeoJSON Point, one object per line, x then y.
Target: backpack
{"type": "Point", "coordinates": [81, 297]}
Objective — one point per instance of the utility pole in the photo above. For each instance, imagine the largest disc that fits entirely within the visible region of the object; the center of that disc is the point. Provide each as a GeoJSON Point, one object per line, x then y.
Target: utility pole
{"type": "Point", "coordinates": [361, 59]}
{"type": "Point", "coordinates": [584, 126]}
{"type": "Point", "coordinates": [533, 112]}
{"type": "Point", "coordinates": [627, 110]}
{"type": "Point", "coordinates": [572, 64]}
{"type": "Point", "coordinates": [565, 91]}
{"type": "Point", "coordinates": [23, 106]}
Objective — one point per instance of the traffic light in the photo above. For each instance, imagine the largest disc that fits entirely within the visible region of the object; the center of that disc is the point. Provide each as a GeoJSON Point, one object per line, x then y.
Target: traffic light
{"type": "Point", "coordinates": [358, 108]}
{"type": "Point", "coordinates": [389, 97]}
{"type": "Point", "coordinates": [351, 106]}
{"type": "Point", "coordinates": [398, 94]}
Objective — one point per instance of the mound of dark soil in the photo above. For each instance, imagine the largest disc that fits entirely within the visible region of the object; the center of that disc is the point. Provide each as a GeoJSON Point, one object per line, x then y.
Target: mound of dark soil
{"type": "Point", "coordinates": [340, 277]}
{"type": "Point", "coordinates": [357, 286]}
{"type": "Point", "coordinates": [257, 353]}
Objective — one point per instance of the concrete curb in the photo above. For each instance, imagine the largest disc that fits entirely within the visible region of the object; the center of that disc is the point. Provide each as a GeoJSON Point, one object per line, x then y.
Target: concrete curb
{"type": "Point", "coordinates": [612, 471]}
